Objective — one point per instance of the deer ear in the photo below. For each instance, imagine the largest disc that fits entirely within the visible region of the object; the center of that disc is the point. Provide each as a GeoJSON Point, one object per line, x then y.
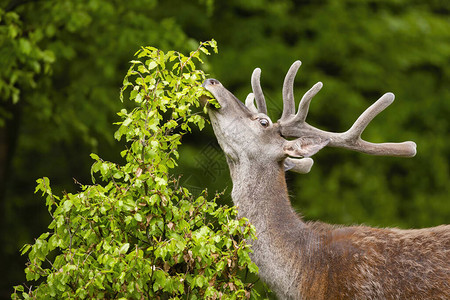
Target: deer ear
{"type": "Point", "coordinates": [298, 165]}
{"type": "Point", "coordinates": [304, 146]}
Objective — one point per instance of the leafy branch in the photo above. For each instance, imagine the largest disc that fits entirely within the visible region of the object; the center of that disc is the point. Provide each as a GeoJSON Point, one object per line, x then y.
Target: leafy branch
{"type": "Point", "coordinates": [137, 233]}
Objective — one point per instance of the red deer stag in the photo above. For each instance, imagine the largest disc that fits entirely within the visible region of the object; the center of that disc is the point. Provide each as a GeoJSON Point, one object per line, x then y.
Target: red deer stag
{"type": "Point", "coordinates": [313, 260]}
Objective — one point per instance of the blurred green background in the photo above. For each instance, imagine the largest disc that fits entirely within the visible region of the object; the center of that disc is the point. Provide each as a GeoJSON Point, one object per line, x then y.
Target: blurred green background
{"type": "Point", "coordinates": [62, 63]}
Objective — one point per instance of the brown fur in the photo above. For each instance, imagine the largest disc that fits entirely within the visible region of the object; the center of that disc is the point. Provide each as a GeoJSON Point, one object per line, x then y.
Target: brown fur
{"type": "Point", "coordinates": [372, 263]}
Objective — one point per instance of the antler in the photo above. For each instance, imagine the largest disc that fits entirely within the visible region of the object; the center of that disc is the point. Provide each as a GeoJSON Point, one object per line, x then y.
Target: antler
{"type": "Point", "coordinates": [294, 125]}
{"type": "Point", "coordinates": [256, 95]}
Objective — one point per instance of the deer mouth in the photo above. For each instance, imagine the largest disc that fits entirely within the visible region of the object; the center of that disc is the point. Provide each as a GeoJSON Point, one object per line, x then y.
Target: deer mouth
{"type": "Point", "coordinates": [223, 101]}
{"type": "Point", "coordinates": [209, 100]}
{"type": "Point", "coordinates": [205, 100]}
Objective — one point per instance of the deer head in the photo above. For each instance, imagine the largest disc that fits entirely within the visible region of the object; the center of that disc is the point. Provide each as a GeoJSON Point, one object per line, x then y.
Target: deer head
{"type": "Point", "coordinates": [246, 132]}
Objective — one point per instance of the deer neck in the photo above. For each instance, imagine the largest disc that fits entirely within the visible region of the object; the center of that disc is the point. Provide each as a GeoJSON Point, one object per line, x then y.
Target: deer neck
{"type": "Point", "coordinates": [260, 193]}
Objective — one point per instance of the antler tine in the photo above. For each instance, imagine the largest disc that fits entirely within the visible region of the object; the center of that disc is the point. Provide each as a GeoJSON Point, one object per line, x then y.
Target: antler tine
{"type": "Point", "coordinates": [250, 103]}
{"type": "Point", "coordinates": [303, 107]}
{"type": "Point", "coordinates": [352, 138]}
{"type": "Point", "coordinates": [369, 114]}
{"type": "Point", "coordinates": [257, 91]}
{"type": "Point", "coordinates": [288, 91]}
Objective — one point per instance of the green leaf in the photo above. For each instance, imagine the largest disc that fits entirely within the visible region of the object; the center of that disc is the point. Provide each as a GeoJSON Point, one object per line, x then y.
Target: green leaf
{"type": "Point", "coordinates": [67, 205]}
{"type": "Point", "coordinates": [160, 279]}
{"type": "Point", "coordinates": [25, 249]}
{"type": "Point", "coordinates": [124, 248]}
{"type": "Point", "coordinates": [153, 64]}
{"type": "Point", "coordinates": [138, 217]}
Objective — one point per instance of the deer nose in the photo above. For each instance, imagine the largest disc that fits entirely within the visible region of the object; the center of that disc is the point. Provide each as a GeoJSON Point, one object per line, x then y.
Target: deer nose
{"type": "Point", "coordinates": [210, 81]}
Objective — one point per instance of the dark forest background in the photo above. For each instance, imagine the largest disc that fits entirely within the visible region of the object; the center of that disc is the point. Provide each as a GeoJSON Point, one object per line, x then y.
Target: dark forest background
{"type": "Point", "coordinates": [62, 63]}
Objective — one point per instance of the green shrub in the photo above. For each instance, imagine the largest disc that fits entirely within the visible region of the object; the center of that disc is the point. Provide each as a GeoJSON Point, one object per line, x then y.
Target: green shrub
{"type": "Point", "coordinates": [141, 235]}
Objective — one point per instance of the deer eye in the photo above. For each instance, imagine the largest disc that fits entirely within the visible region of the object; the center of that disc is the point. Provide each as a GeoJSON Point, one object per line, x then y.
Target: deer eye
{"type": "Point", "coordinates": [264, 122]}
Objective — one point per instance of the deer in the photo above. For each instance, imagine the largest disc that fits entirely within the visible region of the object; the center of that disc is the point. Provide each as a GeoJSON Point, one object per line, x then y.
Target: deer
{"type": "Point", "coordinates": [301, 259]}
